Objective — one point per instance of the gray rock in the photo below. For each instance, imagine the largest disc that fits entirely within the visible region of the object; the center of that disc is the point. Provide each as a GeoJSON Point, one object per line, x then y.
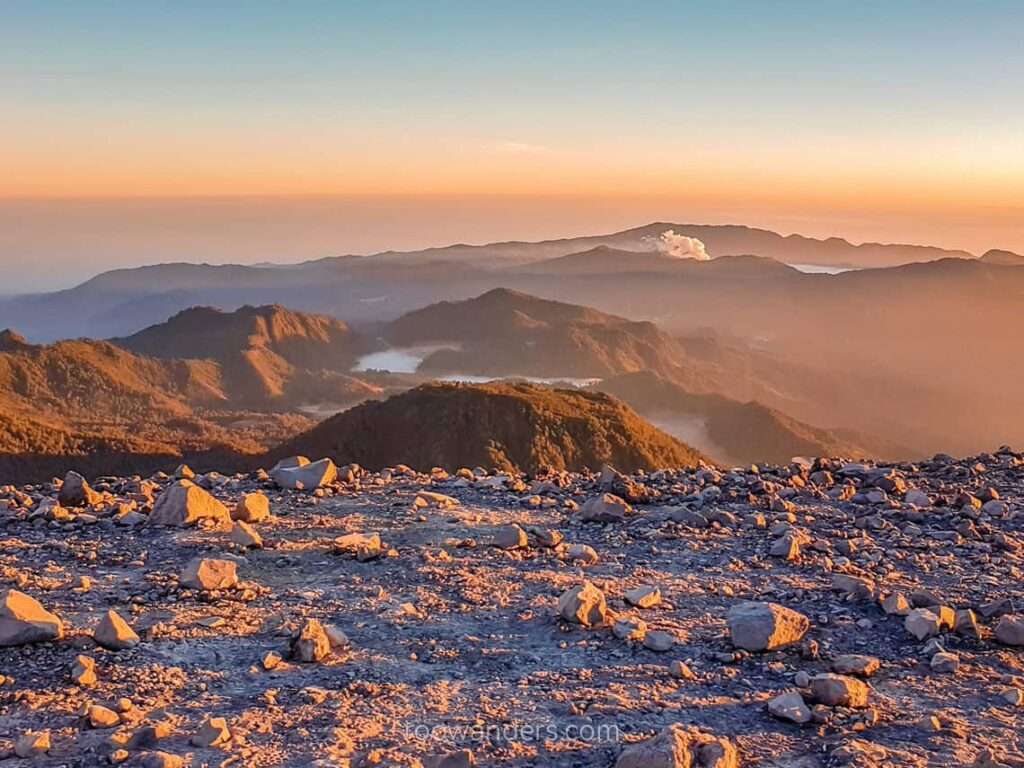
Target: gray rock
{"type": "Point", "coordinates": [680, 747]}
{"type": "Point", "coordinates": [1009, 630]}
{"type": "Point", "coordinates": [312, 643]}
{"type": "Point", "coordinates": [306, 477]}
{"type": "Point", "coordinates": [23, 620]}
{"type": "Point", "coordinates": [922, 623]}
{"type": "Point", "coordinates": [659, 641]}
{"type": "Point", "coordinates": [839, 691]}
{"type": "Point", "coordinates": [606, 508]}
{"type": "Point", "coordinates": [583, 604]}
{"type": "Point", "coordinates": [114, 633]}
{"type": "Point", "coordinates": [252, 508]}
{"type": "Point", "coordinates": [856, 664]}
{"type": "Point", "coordinates": [917, 498]}
{"type": "Point", "coordinates": [643, 596]}
{"type": "Point", "coordinates": [765, 626]}
{"type": "Point", "coordinates": [790, 706]}
{"type": "Point", "coordinates": [76, 492]}
{"type": "Point", "coordinates": [184, 503]}
{"type": "Point", "coordinates": [209, 573]}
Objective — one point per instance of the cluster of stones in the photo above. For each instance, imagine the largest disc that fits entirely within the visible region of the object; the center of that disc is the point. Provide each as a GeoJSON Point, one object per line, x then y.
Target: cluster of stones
{"type": "Point", "coordinates": [768, 506]}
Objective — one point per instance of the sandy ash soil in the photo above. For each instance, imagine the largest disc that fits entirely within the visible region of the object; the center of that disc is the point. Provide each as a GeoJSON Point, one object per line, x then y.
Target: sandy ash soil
{"type": "Point", "coordinates": [461, 637]}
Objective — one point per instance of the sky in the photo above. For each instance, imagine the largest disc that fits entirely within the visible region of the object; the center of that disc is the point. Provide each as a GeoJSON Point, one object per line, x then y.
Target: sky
{"type": "Point", "coordinates": [870, 120]}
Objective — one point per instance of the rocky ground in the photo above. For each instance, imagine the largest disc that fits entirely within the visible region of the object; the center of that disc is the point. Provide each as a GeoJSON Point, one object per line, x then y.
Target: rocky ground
{"type": "Point", "coordinates": [808, 615]}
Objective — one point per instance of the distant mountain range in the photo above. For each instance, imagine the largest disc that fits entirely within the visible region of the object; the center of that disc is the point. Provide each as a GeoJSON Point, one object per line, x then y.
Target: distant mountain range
{"type": "Point", "coordinates": [898, 361]}
{"type": "Point", "coordinates": [720, 240]}
{"type": "Point", "coordinates": [231, 384]}
{"type": "Point", "coordinates": [383, 286]}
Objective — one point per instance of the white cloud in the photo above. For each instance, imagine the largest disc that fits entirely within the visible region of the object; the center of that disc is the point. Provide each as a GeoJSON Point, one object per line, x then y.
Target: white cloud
{"type": "Point", "coordinates": [680, 246]}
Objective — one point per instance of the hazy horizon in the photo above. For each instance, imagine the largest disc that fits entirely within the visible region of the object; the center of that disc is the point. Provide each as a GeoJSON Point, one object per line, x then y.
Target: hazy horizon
{"type": "Point", "coordinates": [54, 244]}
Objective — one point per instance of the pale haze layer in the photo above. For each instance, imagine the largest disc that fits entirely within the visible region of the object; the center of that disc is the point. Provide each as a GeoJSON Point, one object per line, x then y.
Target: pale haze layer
{"type": "Point", "coordinates": [253, 132]}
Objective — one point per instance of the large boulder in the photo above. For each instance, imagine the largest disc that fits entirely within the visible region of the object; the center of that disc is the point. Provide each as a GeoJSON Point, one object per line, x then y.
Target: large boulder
{"type": "Point", "coordinates": [856, 664]}
{"type": "Point", "coordinates": [292, 462]}
{"type": "Point", "coordinates": [606, 508]}
{"type": "Point", "coordinates": [305, 477]}
{"type": "Point", "coordinates": [1010, 630]}
{"type": "Point", "coordinates": [75, 492]}
{"type": "Point", "coordinates": [207, 573]}
{"type": "Point", "coordinates": [765, 626]}
{"type": "Point", "coordinates": [23, 620]}
{"type": "Point", "coordinates": [244, 536]}
{"type": "Point", "coordinates": [583, 604]}
{"type": "Point", "coordinates": [184, 503]}
{"type": "Point", "coordinates": [114, 633]}
{"type": "Point", "coordinates": [312, 643]}
{"type": "Point", "coordinates": [922, 623]}
{"type": "Point", "coordinates": [32, 744]}
{"type": "Point", "coordinates": [83, 672]}
{"type": "Point", "coordinates": [790, 706]}
{"type": "Point", "coordinates": [252, 508]}
{"type": "Point", "coordinates": [213, 733]}
{"type": "Point", "coordinates": [839, 690]}
{"type": "Point", "coordinates": [680, 747]}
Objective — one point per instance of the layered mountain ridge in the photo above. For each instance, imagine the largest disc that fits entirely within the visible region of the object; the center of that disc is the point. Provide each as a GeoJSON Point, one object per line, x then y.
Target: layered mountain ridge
{"type": "Point", "coordinates": [267, 356]}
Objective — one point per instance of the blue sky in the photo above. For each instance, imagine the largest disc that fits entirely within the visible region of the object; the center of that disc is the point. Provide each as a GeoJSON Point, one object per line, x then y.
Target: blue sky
{"type": "Point", "coordinates": [908, 109]}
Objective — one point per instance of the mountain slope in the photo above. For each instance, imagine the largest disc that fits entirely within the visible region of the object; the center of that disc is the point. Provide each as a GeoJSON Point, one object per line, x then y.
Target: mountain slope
{"type": "Point", "coordinates": [268, 356]}
{"type": "Point", "coordinates": [91, 405]}
{"type": "Point", "coordinates": [507, 333]}
{"type": "Point", "coordinates": [731, 431]}
{"type": "Point", "coordinates": [502, 425]}
{"type": "Point", "coordinates": [602, 259]}
{"type": "Point", "coordinates": [1002, 258]}
{"type": "Point", "coordinates": [301, 339]}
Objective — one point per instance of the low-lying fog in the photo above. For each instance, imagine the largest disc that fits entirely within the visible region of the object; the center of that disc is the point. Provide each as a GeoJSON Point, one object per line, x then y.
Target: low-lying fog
{"type": "Point", "coordinates": [408, 360]}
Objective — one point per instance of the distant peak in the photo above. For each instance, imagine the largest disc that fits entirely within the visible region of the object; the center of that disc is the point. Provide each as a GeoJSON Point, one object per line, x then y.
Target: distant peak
{"type": "Point", "coordinates": [501, 292]}
{"type": "Point", "coordinates": [1003, 257]}
{"type": "Point", "coordinates": [12, 341]}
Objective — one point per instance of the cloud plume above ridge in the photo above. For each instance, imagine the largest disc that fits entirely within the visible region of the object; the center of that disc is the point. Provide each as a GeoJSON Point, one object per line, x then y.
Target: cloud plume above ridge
{"type": "Point", "coordinates": [679, 246]}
